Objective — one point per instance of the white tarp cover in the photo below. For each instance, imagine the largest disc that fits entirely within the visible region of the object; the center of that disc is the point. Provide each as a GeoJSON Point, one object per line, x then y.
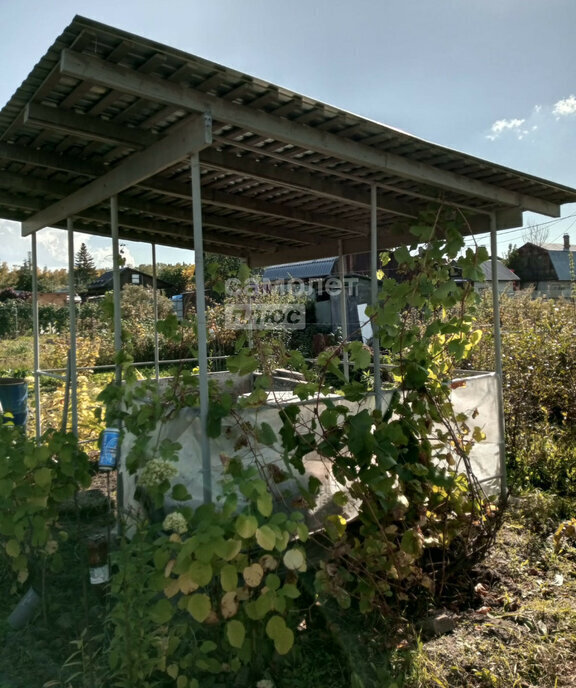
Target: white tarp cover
{"type": "Point", "coordinates": [478, 399]}
{"type": "Point", "coordinates": [475, 395]}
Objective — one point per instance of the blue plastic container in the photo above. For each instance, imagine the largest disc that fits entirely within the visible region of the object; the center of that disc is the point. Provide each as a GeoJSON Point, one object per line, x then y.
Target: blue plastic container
{"type": "Point", "coordinates": [14, 398]}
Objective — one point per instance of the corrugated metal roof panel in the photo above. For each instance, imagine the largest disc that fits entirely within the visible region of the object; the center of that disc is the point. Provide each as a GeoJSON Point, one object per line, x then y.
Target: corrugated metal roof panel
{"type": "Point", "coordinates": [504, 274]}
{"type": "Point", "coordinates": [305, 270]}
{"type": "Point", "coordinates": [564, 267]}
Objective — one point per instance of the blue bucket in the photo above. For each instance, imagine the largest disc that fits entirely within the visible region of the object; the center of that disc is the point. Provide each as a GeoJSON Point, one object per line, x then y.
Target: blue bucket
{"type": "Point", "coordinates": [14, 398]}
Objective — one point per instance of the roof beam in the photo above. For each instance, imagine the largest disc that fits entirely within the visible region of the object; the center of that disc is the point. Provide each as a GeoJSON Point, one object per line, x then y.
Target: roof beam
{"type": "Point", "coordinates": [27, 184]}
{"type": "Point", "coordinates": [230, 224]}
{"type": "Point", "coordinates": [215, 160]}
{"type": "Point", "coordinates": [221, 199]}
{"type": "Point", "coordinates": [387, 238]}
{"type": "Point", "coordinates": [326, 249]}
{"type": "Point", "coordinates": [151, 88]}
{"type": "Point", "coordinates": [195, 136]}
{"type": "Point", "coordinates": [85, 127]}
{"type": "Point", "coordinates": [177, 237]}
{"type": "Point", "coordinates": [128, 204]}
{"type": "Point", "coordinates": [52, 161]}
{"type": "Point", "coordinates": [302, 180]}
{"type": "Point", "coordinates": [184, 214]}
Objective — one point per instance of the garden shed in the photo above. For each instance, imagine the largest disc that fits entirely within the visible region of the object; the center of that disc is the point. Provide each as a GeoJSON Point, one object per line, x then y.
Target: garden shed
{"type": "Point", "coordinates": [116, 135]}
{"type": "Point", "coordinates": [323, 282]}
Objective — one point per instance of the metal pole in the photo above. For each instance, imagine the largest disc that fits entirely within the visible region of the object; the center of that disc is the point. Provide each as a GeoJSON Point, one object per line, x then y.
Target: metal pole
{"type": "Point", "coordinates": [201, 324]}
{"type": "Point", "coordinates": [343, 310]}
{"type": "Point", "coordinates": [116, 288]}
{"type": "Point", "coordinates": [72, 356]}
{"type": "Point", "coordinates": [374, 295]}
{"type": "Point", "coordinates": [155, 297]}
{"type": "Point", "coordinates": [36, 336]}
{"type": "Point", "coordinates": [498, 354]}
{"type": "Point", "coordinates": [116, 282]}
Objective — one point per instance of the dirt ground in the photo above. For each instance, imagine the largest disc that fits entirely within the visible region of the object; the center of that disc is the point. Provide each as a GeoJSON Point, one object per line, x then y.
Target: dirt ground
{"type": "Point", "coordinates": [520, 631]}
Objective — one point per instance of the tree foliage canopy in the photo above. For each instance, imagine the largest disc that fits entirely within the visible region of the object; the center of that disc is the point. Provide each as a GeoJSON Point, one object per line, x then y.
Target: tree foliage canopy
{"type": "Point", "coordinates": [84, 268]}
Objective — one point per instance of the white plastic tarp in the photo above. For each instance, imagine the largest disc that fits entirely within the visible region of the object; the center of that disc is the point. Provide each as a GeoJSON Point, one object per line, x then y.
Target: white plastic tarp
{"type": "Point", "coordinates": [474, 395]}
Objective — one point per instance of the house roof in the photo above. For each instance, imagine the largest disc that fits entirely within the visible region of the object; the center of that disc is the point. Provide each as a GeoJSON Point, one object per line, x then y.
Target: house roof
{"type": "Point", "coordinates": [304, 270]}
{"type": "Point", "coordinates": [564, 263]}
{"type": "Point", "coordinates": [503, 273]}
{"type": "Point", "coordinates": [106, 278]}
{"type": "Point", "coordinates": [284, 177]}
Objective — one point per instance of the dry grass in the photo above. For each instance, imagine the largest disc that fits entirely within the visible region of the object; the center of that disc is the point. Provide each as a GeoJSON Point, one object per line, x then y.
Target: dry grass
{"type": "Point", "coordinates": [520, 631]}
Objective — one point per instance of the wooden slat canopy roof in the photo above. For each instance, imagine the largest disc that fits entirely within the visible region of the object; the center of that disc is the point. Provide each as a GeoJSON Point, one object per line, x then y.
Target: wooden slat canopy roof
{"type": "Point", "coordinates": [284, 177]}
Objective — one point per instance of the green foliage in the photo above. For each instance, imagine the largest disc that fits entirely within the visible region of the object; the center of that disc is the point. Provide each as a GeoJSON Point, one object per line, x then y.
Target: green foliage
{"type": "Point", "coordinates": [35, 478]}
{"type": "Point", "coordinates": [210, 595]}
{"type": "Point", "coordinates": [180, 276]}
{"type": "Point", "coordinates": [138, 320]}
{"type": "Point", "coordinates": [398, 466]}
{"type": "Point", "coordinates": [538, 355]}
{"type": "Point", "coordinates": [84, 268]}
{"type": "Point", "coordinates": [218, 269]}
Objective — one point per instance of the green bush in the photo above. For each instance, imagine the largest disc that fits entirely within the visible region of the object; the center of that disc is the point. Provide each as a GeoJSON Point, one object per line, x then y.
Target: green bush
{"type": "Point", "coordinates": [539, 386]}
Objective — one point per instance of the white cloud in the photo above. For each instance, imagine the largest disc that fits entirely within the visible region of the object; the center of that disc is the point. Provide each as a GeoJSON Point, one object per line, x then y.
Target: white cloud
{"type": "Point", "coordinates": [502, 125]}
{"type": "Point", "coordinates": [564, 107]}
{"type": "Point", "coordinates": [52, 248]}
{"type": "Point", "coordinates": [15, 248]}
{"type": "Point", "coordinates": [103, 255]}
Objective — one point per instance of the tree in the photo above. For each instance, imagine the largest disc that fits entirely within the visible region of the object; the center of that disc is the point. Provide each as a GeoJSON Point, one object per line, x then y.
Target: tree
{"type": "Point", "coordinates": [24, 276]}
{"type": "Point", "coordinates": [536, 234]}
{"type": "Point", "coordinates": [6, 275]}
{"type": "Point", "coordinates": [510, 257]}
{"type": "Point", "coordinates": [180, 276]}
{"type": "Point", "coordinates": [219, 268]}
{"type": "Point", "coordinates": [84, 268]}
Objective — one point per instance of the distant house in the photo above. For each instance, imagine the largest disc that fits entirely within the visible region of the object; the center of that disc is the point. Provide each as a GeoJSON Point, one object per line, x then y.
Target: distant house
{"type": "Point", "coordinates": [508, 281]}
{"type": "Point", "coordinates": [104, 283]}
{"type": "Point", "coordinates": [549, 268]}
{"type": "Point", "coordinates": [319, 279]}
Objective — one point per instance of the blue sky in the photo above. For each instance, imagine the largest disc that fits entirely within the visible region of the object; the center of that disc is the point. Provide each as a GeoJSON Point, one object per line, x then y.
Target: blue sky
{"type": "Point", "coordinates": [493, 78]}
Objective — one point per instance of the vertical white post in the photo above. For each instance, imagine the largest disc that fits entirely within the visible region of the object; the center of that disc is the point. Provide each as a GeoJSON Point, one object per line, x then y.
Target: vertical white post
{"type": "Point", "coordinates": [36, 336]}
{"type": "Point", "coordinates": [498, 354]}
{"type": "Point", "coordinates": [116, 282]}
{"type": "Point", "coordinates": [72, 356]}
{"type": "Point", "coordinates": [343, 310]}
{"type": "Point", "coordinates": [201, 323]}
{"type": "Point", "coordinates": [374, 295]}
{"type": "Point", "coordinates": [155, 297]}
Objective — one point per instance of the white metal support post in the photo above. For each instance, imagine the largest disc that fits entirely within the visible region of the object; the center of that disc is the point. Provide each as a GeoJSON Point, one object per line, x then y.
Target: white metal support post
{"type": "Point", "coordinates": [116, 282]}
{"type": "Point", "coordinates": [498, 353]}
{"type": "Point", "coordinates": [374, 295]}
{"type": "Point", "coordinates": [343, 310]}
{"type": "Point", "coordinates": [201, 324]}
{"type": "Point", "coordinates": [155, 297]}
{"type": "Point", "coordinates": [72, 356]}
{"type": "Point", "coordinates": [36, 335]}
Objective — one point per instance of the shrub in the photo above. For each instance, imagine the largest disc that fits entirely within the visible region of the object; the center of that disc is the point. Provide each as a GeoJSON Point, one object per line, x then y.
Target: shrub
{"type": "Point", "coordinates": [539, 386]}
